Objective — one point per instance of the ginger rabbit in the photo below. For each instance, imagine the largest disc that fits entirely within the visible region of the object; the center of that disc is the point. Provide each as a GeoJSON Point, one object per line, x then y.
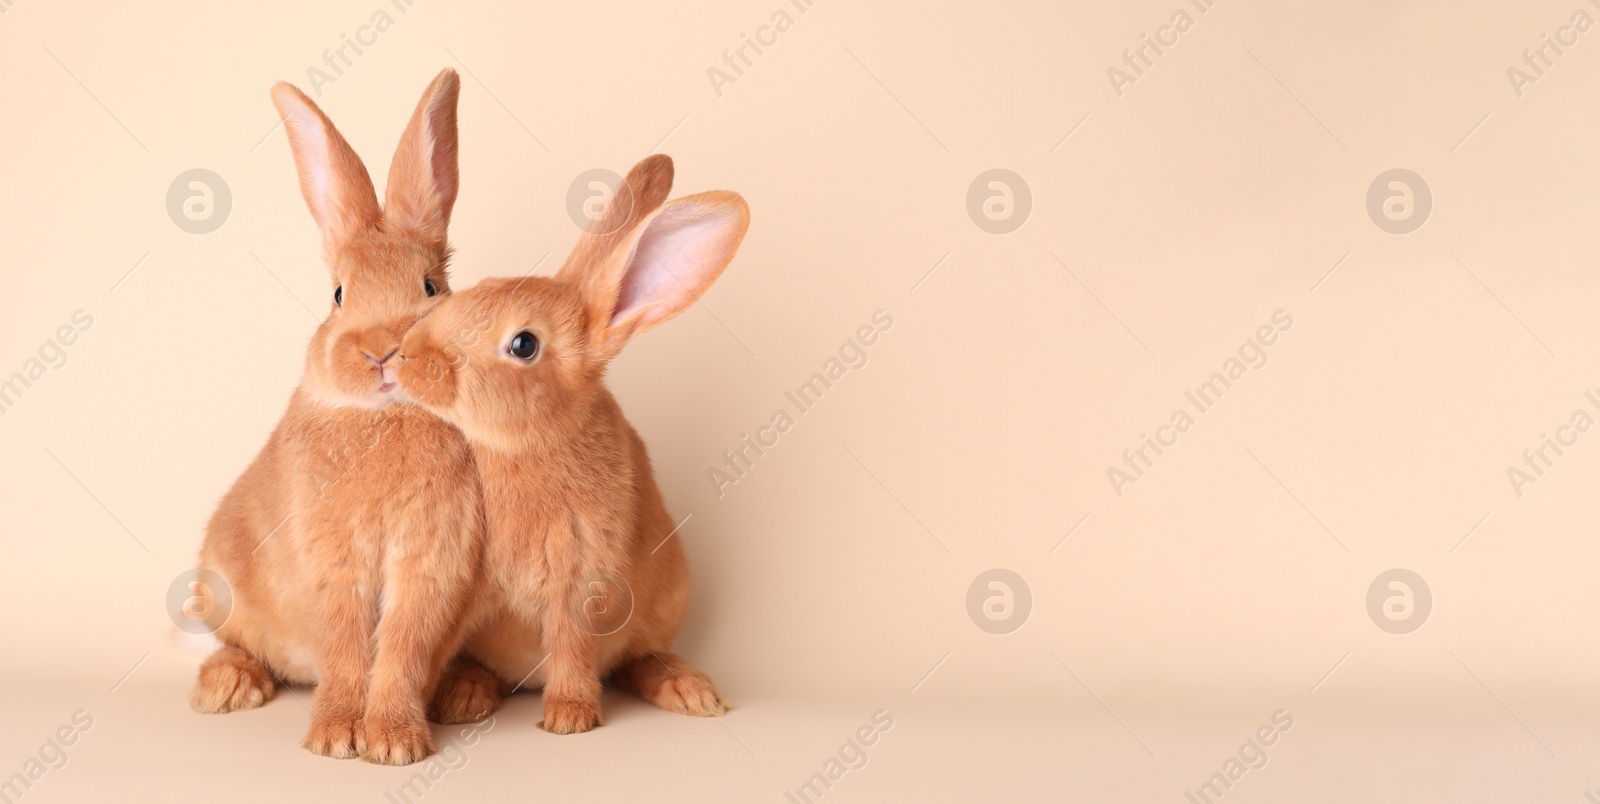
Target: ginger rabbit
{"type": "Point", "coordinates": [351, 543]}
{"type": "Point", "coordinates": [583, 576]}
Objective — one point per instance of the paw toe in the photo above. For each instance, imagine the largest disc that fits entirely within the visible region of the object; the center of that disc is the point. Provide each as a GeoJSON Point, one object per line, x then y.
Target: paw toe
{"type": "Point", "coordinates": [465, 700]}
{"type": "Point", "coordinates": [231, 686]}
{"type": "Point", "coordinates": [570, 717]}
{"type": "Point", "coordinates": [336, 737]}
{"type": "Point", "coordinates": [692, 695]}
{"type": "Point", "coordinates": [397, 742]}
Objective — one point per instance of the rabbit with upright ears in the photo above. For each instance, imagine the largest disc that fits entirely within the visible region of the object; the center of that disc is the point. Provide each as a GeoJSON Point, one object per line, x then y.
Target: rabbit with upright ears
{"type": "Point", "coordinates": [351, 543]}
{"type": "Point", "coordinates": [583, 578]}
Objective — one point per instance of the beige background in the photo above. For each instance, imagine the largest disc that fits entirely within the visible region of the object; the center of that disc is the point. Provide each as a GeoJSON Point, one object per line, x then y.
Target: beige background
{"type": "Point", "coordinates": [1170, 224]}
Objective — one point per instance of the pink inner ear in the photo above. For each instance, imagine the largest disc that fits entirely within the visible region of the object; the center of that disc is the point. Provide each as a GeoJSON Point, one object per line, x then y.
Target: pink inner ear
{"type": "Point", "coordinates": [315, 154]}
{"type": "Point", "coordinates": [676, 258]}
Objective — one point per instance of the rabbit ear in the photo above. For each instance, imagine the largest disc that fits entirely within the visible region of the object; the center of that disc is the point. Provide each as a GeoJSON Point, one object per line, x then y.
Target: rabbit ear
{"type": "Point", "coordinates": [332, 178]}
{"type": "Point", "coordinates": [641, 193]}
{"type": "Point", "coordinates": [424, 176]}
{"type": "Point", "coordinates": [663, 267]}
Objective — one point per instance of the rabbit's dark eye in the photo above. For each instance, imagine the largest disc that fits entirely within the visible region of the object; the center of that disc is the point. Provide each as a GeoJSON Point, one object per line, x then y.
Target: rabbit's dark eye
{"type": "Point", "coordinates": [524, 345]}
{"type": "Point", "coordinates": [338, 295]}
{"type": "Point", "coordinates": [428, 288]}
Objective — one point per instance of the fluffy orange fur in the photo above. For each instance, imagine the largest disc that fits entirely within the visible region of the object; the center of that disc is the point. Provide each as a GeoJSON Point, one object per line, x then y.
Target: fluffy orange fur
{"type": "Point", "coordinates": [352, 541]}
{"type": "Point", "coordinates": [581, 578]}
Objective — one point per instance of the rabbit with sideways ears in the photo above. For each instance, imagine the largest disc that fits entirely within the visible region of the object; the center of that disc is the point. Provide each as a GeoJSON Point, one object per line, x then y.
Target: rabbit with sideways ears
{"type": "Point", "coordinates": [581, 580]}
{"type": "Point", "coordinates": [352, 542]}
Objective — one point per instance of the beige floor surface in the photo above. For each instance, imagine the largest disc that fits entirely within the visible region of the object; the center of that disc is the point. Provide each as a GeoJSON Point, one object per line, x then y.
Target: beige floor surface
{"type": "Point", "coordinates": [1457, 745]}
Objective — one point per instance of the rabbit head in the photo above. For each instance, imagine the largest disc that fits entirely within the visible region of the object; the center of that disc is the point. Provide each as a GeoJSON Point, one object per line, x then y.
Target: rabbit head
{"type": "Point", "coordinates": [518, 362]}
{"type": "Point", "coordinates": [387, 264]}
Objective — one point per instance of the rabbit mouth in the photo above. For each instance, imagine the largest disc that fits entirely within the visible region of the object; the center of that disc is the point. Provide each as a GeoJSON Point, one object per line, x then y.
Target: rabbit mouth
{"type": "Point", "coordinates": [388, 376]}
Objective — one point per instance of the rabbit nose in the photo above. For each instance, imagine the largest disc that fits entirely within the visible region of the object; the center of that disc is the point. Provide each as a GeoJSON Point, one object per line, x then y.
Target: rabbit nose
{"type": "Point", "coordinates": [379, 361]}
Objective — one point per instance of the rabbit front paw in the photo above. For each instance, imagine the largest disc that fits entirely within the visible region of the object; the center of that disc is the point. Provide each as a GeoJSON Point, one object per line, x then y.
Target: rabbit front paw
{"type": "Point", "coordinates": [570, 716]}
